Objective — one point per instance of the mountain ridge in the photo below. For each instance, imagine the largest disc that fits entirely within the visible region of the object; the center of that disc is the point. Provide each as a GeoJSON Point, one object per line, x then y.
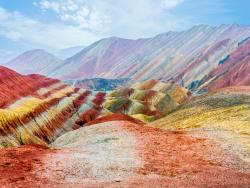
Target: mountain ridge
{"type": "Point", "coordinates": [185, 57]}
{"type": "Point", "coordinates": [37, 61]}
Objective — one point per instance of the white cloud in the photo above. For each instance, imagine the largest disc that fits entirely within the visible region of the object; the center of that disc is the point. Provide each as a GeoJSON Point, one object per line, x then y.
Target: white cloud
{"type": "Point", "coordinates": [82, 22]}
{"type": "Point", "coordinates": [143, 18]}
{"type": "Point", "coordinates": [128, 18]}
{"type": "Point", "coordinates": [78, 12]}
{"type": "Point", "coordinates": [13, 35]}
{"type": "Point", "coordinates": [17, 27]}
{"type": "Point", "coordinates": [169, 4]}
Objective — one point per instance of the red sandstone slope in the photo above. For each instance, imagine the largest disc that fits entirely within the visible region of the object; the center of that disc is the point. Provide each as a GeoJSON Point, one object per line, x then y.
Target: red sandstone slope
{"type": "Point", "coordinates": [13, 86]}
{"type": "Point", "coordinates": [238, 75]}
{"type": "Point", "coordinates": [36, 109]}
{"type": "Point", "coordinates": [114, 117]}
{"type": "Point", "coordinates": [233, 72]}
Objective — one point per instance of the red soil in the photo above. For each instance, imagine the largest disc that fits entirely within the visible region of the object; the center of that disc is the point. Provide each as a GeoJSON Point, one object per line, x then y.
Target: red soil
{"type": "Point", "coordinates": [183, 160]}
{"type": "Point", "coordinates": [90, 114]}
{"type": "Point", "coordinates": [17, 165]}
{"type": "Point", "coordinates": [238, 55]}
{"type": "Point", "coordinates": [46, 134]}
{"type": "Point", "coordinates": [114, 117]}
{"type": "Point", "coordinates": [14, 86]}
{"type": "Point", "coordinates": [171, 159]}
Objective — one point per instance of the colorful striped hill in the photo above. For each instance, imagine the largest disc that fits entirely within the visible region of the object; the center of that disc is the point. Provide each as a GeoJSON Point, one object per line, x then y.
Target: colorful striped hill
{"type": "Point", "coordinates": [36, 109]}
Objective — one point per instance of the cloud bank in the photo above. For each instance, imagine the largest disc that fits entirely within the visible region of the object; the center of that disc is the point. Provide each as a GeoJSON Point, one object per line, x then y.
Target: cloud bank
{"type": "Point", "coordinates": [81, 22]}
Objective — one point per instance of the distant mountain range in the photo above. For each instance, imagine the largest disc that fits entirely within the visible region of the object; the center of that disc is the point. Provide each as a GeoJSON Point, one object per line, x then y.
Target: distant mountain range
{"type": "Point", "coordinates": [200, 58]}
{"type": "Point", "coordinates": [35, 61]}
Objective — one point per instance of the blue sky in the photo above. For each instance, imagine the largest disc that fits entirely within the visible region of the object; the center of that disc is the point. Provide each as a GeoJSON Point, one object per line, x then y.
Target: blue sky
{"type": "Point", "coordinates": [57, 24]}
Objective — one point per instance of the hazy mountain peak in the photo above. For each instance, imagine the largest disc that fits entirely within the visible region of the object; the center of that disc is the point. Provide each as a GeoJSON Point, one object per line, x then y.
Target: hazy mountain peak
{"type": "Point", "coordinates": [34, 61]}
{"type": "Point", "coordinates": [35, 53]}
{"type": "Point", "coordinates": [68, 52]}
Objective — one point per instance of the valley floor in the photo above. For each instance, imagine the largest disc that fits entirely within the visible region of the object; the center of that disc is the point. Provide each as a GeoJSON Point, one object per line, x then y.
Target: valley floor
{"type": "Point", "coordinates": [125, 154]}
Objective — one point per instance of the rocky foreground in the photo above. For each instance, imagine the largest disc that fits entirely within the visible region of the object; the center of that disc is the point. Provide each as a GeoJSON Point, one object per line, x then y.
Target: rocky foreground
{"type": "Point", "coordinates": [152, 134]}
{"type": "Point", "coordinates": [125, 154]}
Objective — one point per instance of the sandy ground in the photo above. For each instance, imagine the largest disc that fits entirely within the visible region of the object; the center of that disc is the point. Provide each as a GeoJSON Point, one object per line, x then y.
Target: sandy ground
{"type": "Point", "coordinates": [124, 154]}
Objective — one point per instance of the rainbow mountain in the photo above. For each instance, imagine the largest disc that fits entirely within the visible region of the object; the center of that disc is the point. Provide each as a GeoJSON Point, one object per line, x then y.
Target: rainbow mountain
{"type": "Point", "coordinates": [174, 111]}
{"type": "Point", "coordinates": [37, 109]}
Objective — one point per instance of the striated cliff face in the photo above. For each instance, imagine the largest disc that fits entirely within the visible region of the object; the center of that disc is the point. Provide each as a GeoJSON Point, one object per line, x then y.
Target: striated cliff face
{"type": "Point", "coordinates": [36, 109]}
{"type": "Point", "coordinates": [15, 86]}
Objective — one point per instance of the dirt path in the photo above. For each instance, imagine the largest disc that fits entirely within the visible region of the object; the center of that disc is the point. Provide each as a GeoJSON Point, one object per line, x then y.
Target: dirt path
{"type": "Point", "coordinates": [124, 154]}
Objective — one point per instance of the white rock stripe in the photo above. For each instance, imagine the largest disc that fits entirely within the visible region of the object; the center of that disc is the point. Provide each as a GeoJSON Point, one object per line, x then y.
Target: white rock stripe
{"type": "Point", "coordinates": [44, 90]}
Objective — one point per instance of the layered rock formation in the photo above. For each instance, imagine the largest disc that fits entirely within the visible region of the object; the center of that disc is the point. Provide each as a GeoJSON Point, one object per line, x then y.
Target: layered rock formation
{"type": "Point", "coordinates": [233, 70]}
{"type": "Point", "coordinates": [36, 109]}
{"type": "Point", "coordinates": [147, 100]}
{"type": "Point", "coordinates": [190, 58]}
{"type": "Point", "coordinates": [103, 139]}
